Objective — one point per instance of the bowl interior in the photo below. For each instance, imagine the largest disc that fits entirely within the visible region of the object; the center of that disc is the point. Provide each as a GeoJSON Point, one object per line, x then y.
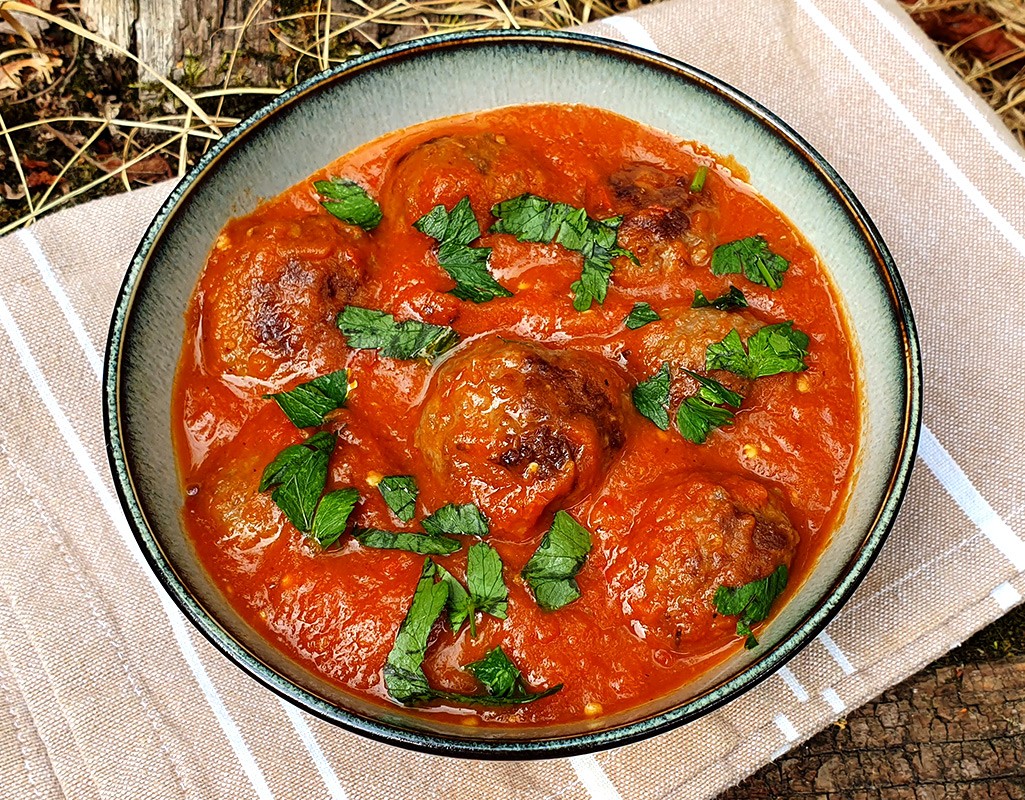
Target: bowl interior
{"type": "Point", "coordinates": [312, 126]}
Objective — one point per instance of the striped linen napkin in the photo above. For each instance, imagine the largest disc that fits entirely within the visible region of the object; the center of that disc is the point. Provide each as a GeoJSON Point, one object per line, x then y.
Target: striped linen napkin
{"type": "Point", "coordinates": [106, 692]}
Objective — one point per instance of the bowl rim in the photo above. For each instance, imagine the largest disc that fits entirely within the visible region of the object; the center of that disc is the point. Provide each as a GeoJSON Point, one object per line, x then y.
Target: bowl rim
{"type": "Point", "coordinates": [802, 632]}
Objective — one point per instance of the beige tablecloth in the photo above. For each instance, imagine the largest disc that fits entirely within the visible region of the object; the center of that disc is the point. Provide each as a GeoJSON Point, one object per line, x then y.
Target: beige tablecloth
{"type": "Point", "coordinates": [106, 692]}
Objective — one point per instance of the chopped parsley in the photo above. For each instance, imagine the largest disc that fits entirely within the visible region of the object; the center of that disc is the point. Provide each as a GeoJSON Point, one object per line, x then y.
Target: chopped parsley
{"type": "Point", "coordinates": [734, 298]}
{"type": "Point", "coordinates": [422, 543]}
{"type": "Point", "coordinates": [487, 590]}
{"type": "Point", "coordinates": [467, 266]}
{"type": "Point", "coordinates": [751, 602]}
{"type": "Point", "coordinates": [464, 519]}
{"type": "Point", "coordinates": [698, 183]}
{"type": "Point", "coordinates": [399, 493]}
{"type": "Point", "coordinates": [651, 397]}
{"type": "Point", "coordinates": [533, 219]}
{"type": "Point", "coordinates": [367, 329]}
{"type": "Point", "coordinates": [640, 315]}
{"type": "Point", "coordinates": [308, 403]}
{"type": "Point", "coordinates": [770, 351]}
{"type": "Point", "coordinates": [560, 556]}
{"type": "Point", "coordinates": [752, 257]}
{"type": "Point", "coordinates": [698, 416]}
{"type": "Point", "coordinates": [404, 676]}
{"type": "Point", "coordinates": [332, 514]}
{"type": "Point", "coordinates": [298, 474]}
{"type": "Point", "coordinates": [349, 202]}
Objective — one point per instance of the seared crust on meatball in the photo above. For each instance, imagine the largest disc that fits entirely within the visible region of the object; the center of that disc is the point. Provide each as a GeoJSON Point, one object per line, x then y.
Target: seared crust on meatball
{"type": "Point", "coordinates": [689, 535]}
{"type": "Point", "coordinates": [515, 427]}
{"type": "Point", "coordinates": [279, 292]}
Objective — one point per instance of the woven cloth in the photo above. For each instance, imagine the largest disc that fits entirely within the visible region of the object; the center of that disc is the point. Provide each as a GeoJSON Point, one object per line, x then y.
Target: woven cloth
{"type": "Point", "coordinates": [106, 692]}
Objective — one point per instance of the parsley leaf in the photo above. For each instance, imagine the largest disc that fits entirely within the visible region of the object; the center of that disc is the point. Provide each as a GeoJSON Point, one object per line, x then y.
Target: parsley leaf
{"type": "Point", "coordinates": [367, 329]}
{"type": "Point", "coordinates": [699, 416]}
{"type": "Point", "coordinates": [399, 493]}
{"type": "Point", "coordinates": [467, 266]}
{"type": "Point", "coordinates": [734, 298]}
{"type": "Point", "coordinates": [458, 605]}
{"type": "Point", "coordinates": [558, 558]}
{"type": "Point", "coordinates": [349, 202]}
{"type": "Point", "coordinates": [651, 397]}
{"type": "Point", "coordinates": [465, 519]}
{"type": "Point", "coordinates": [770, 350]}
{"type": "Point", "coordinates": [299, 472]}
{"type": "Point", "coordinates": [533, 219]}
{"type": "Point", "coordinates": [640, 315]}
{"type": "Point", "coordinates": [752, 257]}
{"type": "Point", "coordinates": [422, 543]}
{"type": "Point", "coordinates": [751, 602]}
{"type": "Point", "coordinates": [698, 183]}
{"type": "Point", "coordinates": [333, 513]}
{"type": "Point", "coordinates": [487, 590]}
{"type": "Point", "coordinates": [404, 676]}
{"type": "Point", "coordinates": [502, 680]}
{"type": "Point", "coordinates": [308, 402]}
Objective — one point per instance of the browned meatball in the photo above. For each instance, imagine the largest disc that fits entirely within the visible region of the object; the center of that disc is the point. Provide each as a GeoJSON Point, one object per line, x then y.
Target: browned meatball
{"type": "Point", "coordinates": [514, 427]}
{"type": "Point", "coordinates": [275, 301]}
{"type": "Point", "coordinates": [665, 225]}
{"type": "Point", "coordinates": [485, 167]}
{"type": "Point", "coordinates": [687, 536]}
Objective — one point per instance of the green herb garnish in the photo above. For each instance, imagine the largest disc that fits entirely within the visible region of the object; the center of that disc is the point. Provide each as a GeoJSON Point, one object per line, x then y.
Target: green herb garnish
{"type": "Point", "coordinates": [464, 519]}
{"type": "Point", "coordinates": [503, 680]}
{"type": "Point", "coordinates": [640, 315]}
{"type": "Point", "coordinates": [403, 672]}
{"type": "Point", "coordinates": [367, 329]}
{"type": "Point", "coordinates": [299, 473]}
{"type": "Point", "coordinates": [308, 403]}
{"type": "Point", "coordinates": [399, 493]}
{"type": "Point", "coordinates": [651, 397]}
{"type": "Point", "coordinates": [558, 558]}
{"type": "Point", "coordinates": [349, 202]}
{"type": "Point", "coordinates": [753, 258]}
{"type": "Point", "coordinates": [422, 543]}
{"type": "Point", "coordinates": [770, 350]}
{"type": "Point", "coordinates": [751, 602]}
{"type": "Point", "coordinates": [734, 298]}
{"type": "Point", "coordinates": [487, 590]}
{"type": "Point", "coordinates": [467, 266]}
{"type": "Point", "coordinates": [698, 416]}
{"type": "Point", "coordinates": [332, 514]}
{"type": "Point", "coordinates": [533, 219]}
{"type": "Point", "coordinates": [698, 183]}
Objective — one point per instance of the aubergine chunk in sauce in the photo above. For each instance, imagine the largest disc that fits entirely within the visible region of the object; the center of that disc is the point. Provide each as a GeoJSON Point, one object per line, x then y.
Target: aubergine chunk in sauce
{"type": "Point", "coordinates": [665, 225]}
{"type": "Point", "coordinates": [688, 535]}
{"type": "Point", "coordinates": [486, 167]}
{"type": "Point", "coordinates": [279, 286]}
{"type": "Point", "coordinates": [517, 428]}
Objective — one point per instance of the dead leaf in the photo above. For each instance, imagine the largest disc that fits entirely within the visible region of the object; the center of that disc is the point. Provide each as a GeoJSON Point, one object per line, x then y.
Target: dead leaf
{"type": "Point", "coordinates": [12, 74]}
{"type": "Point", "coordinates": [26, 25]}
{"type": "Point", "coordinates": [39, 177]}
{"type": "Point", "coordinates": [149, 170]}
{"type": "Point", "coordinates": [33, 163]}
{"type": "Point", "coordinates": [12, 194]}
{"type": "Point", "coordinates": [952, 27]}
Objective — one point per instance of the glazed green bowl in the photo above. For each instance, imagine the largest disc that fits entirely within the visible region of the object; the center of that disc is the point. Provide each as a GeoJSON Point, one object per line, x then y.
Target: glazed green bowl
{"type": "Point", "coordinates": [311, 125]}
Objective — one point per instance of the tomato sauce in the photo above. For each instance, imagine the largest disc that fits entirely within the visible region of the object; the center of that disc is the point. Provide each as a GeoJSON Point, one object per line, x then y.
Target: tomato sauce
{"type": "Point", "coordinates": [669, 520]}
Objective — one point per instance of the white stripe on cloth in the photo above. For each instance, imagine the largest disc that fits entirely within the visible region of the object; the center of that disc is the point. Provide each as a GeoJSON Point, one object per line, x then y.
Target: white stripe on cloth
{"type": "Point", "coordinates": [31, 244]}
{"type": "Point", "coordinates": [974, 505]}
{"type": "Point", "coordinates": [593, 778]}
{"type": "Point", "coordinates": [113, 509]}
{"type": "Point", "coordinates": [838, 655]}
{"type": "Point", "coordinates": [786, 727]}
{"type": "Point", "coordinates": [75, 323]}
{"type": "Point", "coordinates": [948, 84]}
{"type": "Point", "coordinates": [1006, 596]}
{"type": "Point", "coordinates": [632, 31]}
{"type": "Point", "coordinates": [793, 684]}
{"type": "Point", "coordinates": [833, 699]}
{"type": "Point", "coordinates": [929, 144]}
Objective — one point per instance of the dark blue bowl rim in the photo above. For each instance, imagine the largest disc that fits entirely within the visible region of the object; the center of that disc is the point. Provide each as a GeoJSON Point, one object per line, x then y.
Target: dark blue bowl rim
{"type": "Point", "coordinates": [552, 747]}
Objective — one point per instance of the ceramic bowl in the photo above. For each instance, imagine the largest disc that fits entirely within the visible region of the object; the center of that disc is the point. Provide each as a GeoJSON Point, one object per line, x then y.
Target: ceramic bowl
{"type": "Point", "coordinates": [313, 124]}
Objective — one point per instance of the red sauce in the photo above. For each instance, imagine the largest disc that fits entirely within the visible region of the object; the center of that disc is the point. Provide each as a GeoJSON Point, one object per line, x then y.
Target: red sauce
{"type": "Point", "coordinates": [669, 520]}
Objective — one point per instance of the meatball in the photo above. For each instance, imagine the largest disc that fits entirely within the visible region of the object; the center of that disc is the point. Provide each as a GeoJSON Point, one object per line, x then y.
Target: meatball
{"type": "Point", "coordinates": [271, 293]}
{"type": "Point", "coordinates": [515, 427]}
{"type": "Point", "coordinates": [665, 225]}
{"type": "Point", "coordinates": [687, 536]}
{"type": "Point", "coordinates": [485, 167]}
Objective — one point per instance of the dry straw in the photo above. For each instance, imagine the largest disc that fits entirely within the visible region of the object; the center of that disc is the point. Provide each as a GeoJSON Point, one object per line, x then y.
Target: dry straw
{"type": "Point", "coordinates": [332, 36]}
